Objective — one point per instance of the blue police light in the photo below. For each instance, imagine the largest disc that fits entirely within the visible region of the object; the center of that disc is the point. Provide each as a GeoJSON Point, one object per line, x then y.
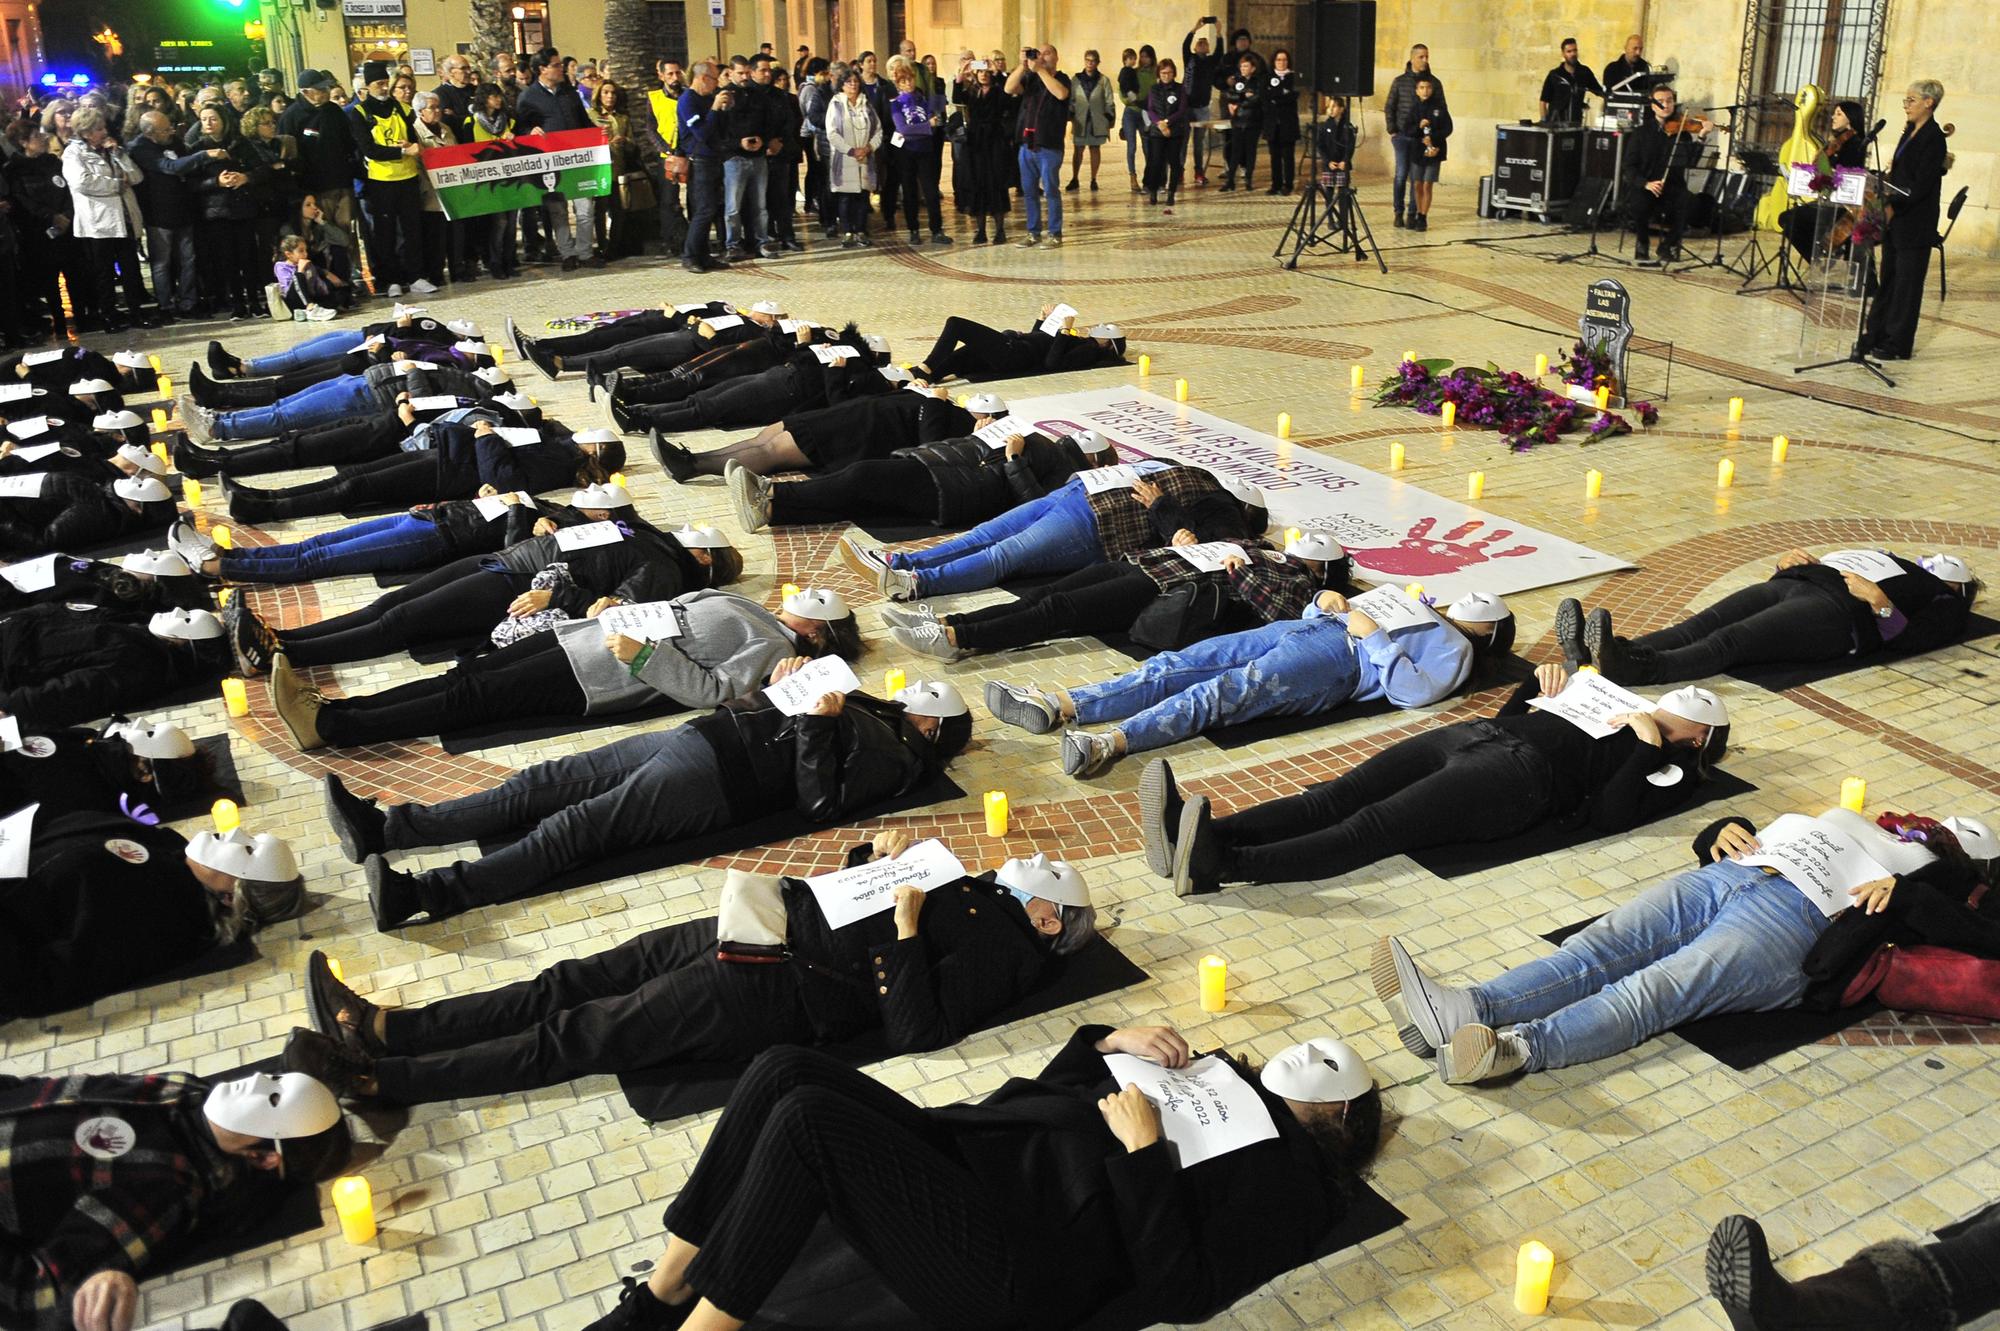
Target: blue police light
{"type": "Point", "coordinates": [48, 80]}
{"type": "Point", "coordinates": [80, 80]}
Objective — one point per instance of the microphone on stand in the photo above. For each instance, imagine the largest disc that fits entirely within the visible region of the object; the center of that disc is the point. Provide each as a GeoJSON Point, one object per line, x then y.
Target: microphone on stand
{"type": "Point", "coordinates": [1880, 125]}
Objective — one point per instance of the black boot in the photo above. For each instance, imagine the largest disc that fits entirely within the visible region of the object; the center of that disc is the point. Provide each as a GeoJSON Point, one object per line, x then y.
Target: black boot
{"type": "Point", "coordinates": [1894, 1286]}
{"type": "Point", "coordinates": [191, 459]}
{"type": "Point", "coordinates": [221, 364]}
{"type": "Point", "coordinates": [280, 454]}
{"type": "Point", "coordinates": [678, 461]}
{"type": "Point", "coordinates": [227, 394]}
{"type": "Point", "coordinates": [249, 505]}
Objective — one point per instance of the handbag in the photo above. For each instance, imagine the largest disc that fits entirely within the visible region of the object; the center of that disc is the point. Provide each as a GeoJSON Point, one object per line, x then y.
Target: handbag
{"type": "Point", "coordinates": [1926, 978]}
{"type": "Point", "coordinates": [1179, 616]}
{"type": "Point", "coordinates": [750, 921]}
{"type": "Point", "coordinates": [635, 193]}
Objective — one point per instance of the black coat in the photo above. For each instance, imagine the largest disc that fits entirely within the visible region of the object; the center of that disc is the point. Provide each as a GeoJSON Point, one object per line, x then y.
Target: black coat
{"type": "Point", "coordinates": [1937, 615]}
{"type": "Point", "coordinates": [72, 513]}
{"type": "Point", "coordinates": [95, 582]}
{"type": "Point", "coordinates": [165, 198]}
{"type": "Point", "coordinates": [213, 202]}
{"type": "Point", "coordinates": [975, 482]}
{"type": "Point", "coordinates": [1918, 166]}
{"type": "Point", "coordinates": [326, 144]}
{"type": "Point", "coordinates": [467, 460]}
{"type": "Point", "coordinates": [1600, 783]}
{"type": "Point", "coordinates": [646, 566]}
{"type": "Point", "coordinates": [61, 667]}
{"type": "Point", "coordinates": [88, 921]}
{"type": "Point", "coordinates": [824, 766]}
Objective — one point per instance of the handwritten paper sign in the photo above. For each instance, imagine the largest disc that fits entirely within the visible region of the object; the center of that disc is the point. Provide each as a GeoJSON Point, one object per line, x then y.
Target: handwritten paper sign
{"type": "Point", "coordinates": [1099, 479]}
{"type": "Point", "coordinates": [18, 392]}
{"type": "Point", "coordinates": [847, 895]}
{"type": "Point", "coordinates": [832, 354]}
{"type": "Point", "coordinates": [496, 506]}
{"type": "Point", "coordinates": [22, 487]}
{"type": "Point", "coordinates": [1820, 860]}
{"type": "Point", "coordinates": [1059, 318]}
{"type": "Point", "coordinates": [30, 427]}
{"type": "Point", "coordinates": [997, 433]}
{"type": "Point", "coordinates": [799, 692]}
{"type": "Point", "coordinates": [1393, 608]}
{"type": "Point", "coordinates": [32, 575]}
{"type": "Point", "coordinates": [35, 452]}
{"type": "Point", "coordinates": [519, 436]}
{"type": "Point", "coordinates": [1208, 555]}
{"type": "Point", "coordinates": [587, 535]}
{"type": "Point", "coordinates": [10, 733]}
{"type": "Point", "coordinates": [1870, 564]}
{"type": "Point", "coordinates": [648, 621]}
{"type": "Point", "coordinates": [793, 325]}
{"type": "Point", "coordinates": [1587, 702]}
{"type": "Point", "coordinates": [44, 357]}
{"type": "Point", "coordinates": [1206, 1109]}
{"type": "Point", "coordinates": [17, 831]}
{"type": "Point", "coordinates": [434, 402]}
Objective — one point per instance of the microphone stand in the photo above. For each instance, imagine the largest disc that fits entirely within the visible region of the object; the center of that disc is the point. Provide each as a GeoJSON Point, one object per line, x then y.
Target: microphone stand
{"type": "Point", "coordinates": [1858, 354]}
{"type": "Point", "coordinates": [1721, 174]}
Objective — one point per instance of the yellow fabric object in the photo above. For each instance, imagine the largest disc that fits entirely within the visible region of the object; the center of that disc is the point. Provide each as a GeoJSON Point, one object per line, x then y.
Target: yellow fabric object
{"type": "Point", "coordinates": [391, 132]}
{"type": "Point", "coordinates": [1802, 148]}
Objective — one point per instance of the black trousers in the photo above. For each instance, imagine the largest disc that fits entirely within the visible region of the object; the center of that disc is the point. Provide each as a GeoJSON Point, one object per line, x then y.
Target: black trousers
{"type": "Point", "coordinates": [497, 240]}
{"type": "Point", "coordinates": [112, 259]}
{"type": "Point", "coordinates": [396, 237]}
{"type": "Point", "coordinates": [225, 258]}
{"type": "Point", "coordinates": [1460, 783]}
{"type": "Point", "coordinates": [1672, 203]}
{"type": "Point", "coordinates": [896, 489]}
{"type": "Point", "coordinates": [919, 171]}
{"type": "Point", "coordinates": [806, 1136]}
{"type": "Point", "coordinates": [646, 323]}
{"type": "Point", "coordinates": [815, 182]}
{"type": "Point", "coordinates": [738, 404]}
{"type": "Point", "coordinates": [1104, 598]}
{"type": "Point", "coordinates": [660, 351]}
{"type": "Point", "coordinates": [781, 199]}
{"type": "Point", "coordinates": [1283, 141]}
{"type": "Point", "coordinates": [460, 600]}
{"type": "Point", "coordinates": [659, 998]}
{"type": "Point", "coordinates": [1780, 619]}
{"type": "Point", "coordinates": [972, 350]}
{"type": "Point", "coordinates": [528, 678]}
{"type": "Point", "coordinates": [411, 478]}
{"type": "Point", "coordinates": [704, 205]}
{"type": "Point", "coordinates": [1892, 323]}
{"type": "Point", "coordinates": [343, 443]}
{"type": "Point", "coordinates": [1241, 153]}
{"type": "Point", "coordinates": [1164, 159]}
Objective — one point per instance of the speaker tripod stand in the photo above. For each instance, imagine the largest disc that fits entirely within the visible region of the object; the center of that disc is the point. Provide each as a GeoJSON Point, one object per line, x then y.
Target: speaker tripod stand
{"type": "Point", "coordinates": [1329, 215]}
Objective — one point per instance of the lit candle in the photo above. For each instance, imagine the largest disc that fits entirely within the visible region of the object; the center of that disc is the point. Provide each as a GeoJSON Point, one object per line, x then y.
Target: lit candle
{"type": "Point", "coordinates": [1449, 414]}
{"type": "Point", "coordinates": [154, 361]}
{"type": "Point", "coordinates": [499, 354]}
{"type": "Point", "coordinates": [1603, 396]}
{"type": "Point", "coordinates": [1780, 448]}
{"type": "Point", "coordinates": [1475, 485]}
{"type": "Point", "coordinates": [1587, 670]}
{"type": "Point", "coordinates": [355, 1206]}
{"type": "Point", "coordinates": [1735, 410]}
{"type": "Point", "coordinates": [1415, 591]}
{"type": "Point", "coordinates": [1725, 473]}
{"type": "Point", "coordinates": [1853, 794]}
{"type": "Point", "coordinates": [159, 418]}
{"type": "Point", "coordinates": [893, 682]}
{"type": "Point", "coordinates": [1396, 457]}
{"type": "Point", "coordinates": [234, 698]}
{"type": "Point", "coordinates": [224, 539]}
{"type": "Point", "coordinates": [1284, 425]}
{"type": "Point", "coordinates": [1292, 535]}
{"type": "Point", "coordinates": [333, 967]}
{"type": "Point", "coordinates": [160, 452]}
{"type": "Point", "coordinates": [1409, 356]}
{"type": "Point", "coordinates": [1532, 1271]}
{"type": "Point", "coordinates": [618, 479]}
{"type": "Point", "coordinates": [166, 386]}
{"type": "Point", "coordinates": [1593, 483]}
{"type": "Point", "coordinates": [191, 492]}
{"type": "Point", "coordinates": [996, 813]}
{"type": "Point", "coordinates": [226, 815]}
{"type": "Point", "coordinates": [790, 589]}
{"type": "Point", "coordinates": [1356, 377]}
{"type": "Point", "coordinates": [1180, 390]}
{"type": "Point", "coordinates": [1541, 364]}
{"type": "Point", "coordinates": [1214, 973]}
{"type": "Point", "coordinates": [222, 595]}
{"type": "Point", "coordinates": [1145, 365]}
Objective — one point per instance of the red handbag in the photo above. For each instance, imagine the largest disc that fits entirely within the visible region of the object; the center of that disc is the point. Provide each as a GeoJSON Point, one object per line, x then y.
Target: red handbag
{"type": "Point", "coordinates": [1866, 980]}
{"type": "Point", "coordinates": [1939, 981]}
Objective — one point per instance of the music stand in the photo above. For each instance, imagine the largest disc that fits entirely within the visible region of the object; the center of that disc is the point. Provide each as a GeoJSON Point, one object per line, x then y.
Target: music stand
{"type": "Point", "coordinates": [1719, 176]}
{"type": "Point", "coordinates": [1752, 261]}
{"type": "Point", "coordinates": [1858, 354]}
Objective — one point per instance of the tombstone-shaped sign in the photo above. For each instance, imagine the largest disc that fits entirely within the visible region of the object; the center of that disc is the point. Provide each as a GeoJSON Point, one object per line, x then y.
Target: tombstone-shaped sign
{"type": "Point", "coordinates": [1606, 327]}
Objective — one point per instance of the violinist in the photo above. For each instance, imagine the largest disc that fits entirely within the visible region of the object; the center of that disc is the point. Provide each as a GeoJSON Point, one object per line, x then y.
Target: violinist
{"type": "Point", "coordinates": [1917, 169]}
{"type": "Point", "coordinates": [1656, 166]}
{"type": "Point", "coordinates": [1846, 145]}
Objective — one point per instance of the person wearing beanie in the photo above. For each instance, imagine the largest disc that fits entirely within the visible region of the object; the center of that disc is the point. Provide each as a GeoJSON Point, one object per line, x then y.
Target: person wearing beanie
{"type": "Point", "coordinates": [385, 136]}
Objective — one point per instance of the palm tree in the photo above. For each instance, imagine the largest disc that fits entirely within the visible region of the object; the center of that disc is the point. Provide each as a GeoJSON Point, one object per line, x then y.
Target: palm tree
{"type": "Point", "coordinates": [492, 26]}
{"type": "Point", "coordinates": [628, 43]}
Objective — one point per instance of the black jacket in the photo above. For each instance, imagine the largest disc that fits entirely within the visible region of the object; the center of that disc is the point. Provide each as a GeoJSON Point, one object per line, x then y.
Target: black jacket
{"type": "Point", "coordinates": [165, 199]}
{"type": "Point", "coordinates": [61, 667]}
{"type": "Point", "coordinates": [1597, 782]}
{"type": "Point", "coordinates": [538, 108]}
{"type": "Point", "coordinates": [1935, 613]}
{"type": "Point", "coordinates": [646, 566]}
{"type": "Point", "coordinates": [1918, 166]}
{"type": "Point", "coordinates": [824, 766]}
{"type": "Point", "coordinates": [1403, 97]}
{"type": "Point", "coordinates": [213, 202]}
{"type": "Point", "coordinates": [71, 513]}
{"type": "Point", "coordinates": [1199, 72]}
{"type": "Point", "coordinates": [326, 144]}
{"type": "Point", "coordinates": [99, 583]}
{"type": "Point", "coordinates": [975, 482]}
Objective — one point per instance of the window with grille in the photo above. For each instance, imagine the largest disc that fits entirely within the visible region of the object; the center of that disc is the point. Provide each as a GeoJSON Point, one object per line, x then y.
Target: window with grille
{"type": "Point", "coordinates": [899, 24]}
{"type": "Point", "coordinates": [1835, 45]}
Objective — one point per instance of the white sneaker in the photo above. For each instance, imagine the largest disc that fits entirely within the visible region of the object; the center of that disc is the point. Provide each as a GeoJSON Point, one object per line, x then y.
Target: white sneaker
{"type": "Point", "coordinates": [1480, 1053]}
{"type": "Point", "coordinates": [320, 313]}
{"type": "Point", "coordinates": [899, 584]}
{"type": "Point", "coordinates": [189, 544]}
{"type": "Point", "coordinates": [422, 287]}
{"type": "Point", "coordinates": [395, 290]}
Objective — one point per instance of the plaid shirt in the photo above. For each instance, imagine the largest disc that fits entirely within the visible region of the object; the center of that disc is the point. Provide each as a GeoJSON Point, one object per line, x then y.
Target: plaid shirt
{"type": "Point", "coordinates": [1125, 526]}
{"type": "Point", "coordinates": [67, 1211]}
{"type": "Point", "coordinates": [1273, 586]}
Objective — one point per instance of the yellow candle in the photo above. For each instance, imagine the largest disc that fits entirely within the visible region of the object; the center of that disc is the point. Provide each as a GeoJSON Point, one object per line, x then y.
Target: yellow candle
{"type": "Point", "coordinates": [166, 386]}
{"type": "Point", "coordinates": [1284, 425]}
{"type": "Point", "coordinates": [893, 682]}
{"type": "Point", "coordinates": [499, 354]}
{"type": "Point", "coordinates": [1780, 447]}
{"type": "Point", "coordinates": [1735, 410]}
{"type": "Point", "coordinates": [333, 966]}
{"type": "Point", "coordinates": [1853, 794]}
{"type": "Point", "coordinates": [1541, 364]}
{"type": "Point", "coordinates": [1180, 390]}
{"type": "Point", "coordinates": [789, 589]}
{"type": "Point", "coordinates": [154, 361]}
{"type": "Point", "coordinates": [1145, 365]}
{"type": "Point", "coordinates": [1356, 377]}
{"type": "Point", "coordinates": [234, 698]}
{"type": "Point", "coordinates": [355, 1206]}
{"type": "Point", "coordinates": [191, 492]}
{"type": "Point", "coordinates": [1449, 414]}
{"type": "Point", "coordinates": [1396, 457]}
{"type": "Point", "coordinates": [1214, 974]}
{"type": "Point", "coordinates": [160, 452]}
{"type": "Point", "coordinates": [996, 813]}
{"type": "Point", "coordinates": [1593, 483]}
{"type": "Point", "coordinates": [159, 419]}
{"type": "Point", "coordinates": [1409, 356]}
{"type": "Point", "coordinates": [1532, 1271]}
{"type": "Point", "coordinates": [224, 539]}
{"type": "Point", "coordinates": [1725, 473]}
{"type": "Point", "coordinates": [222, 595]}
{"type": "Point", "coordinates": [1292, 535]}
{"type": "Point", "coordinates": [1414, 590]}
{"type": "Point", "coordinates": [1603, 397]}
{"type": "Point", "coordinates": [227, 817]}
{"type": "Point", "coordinates": [618, 479]}
{"type": "Point", "coordinates": [1588, 670]}
{"type": "Point", "coordinates": [1475, 485]}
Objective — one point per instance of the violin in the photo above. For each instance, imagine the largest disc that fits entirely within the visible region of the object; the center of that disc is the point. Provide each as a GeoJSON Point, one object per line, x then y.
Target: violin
{"type": "Point", "coordinates": [1841, 138]}
{"type": "Point", "coordinates": [1685, 122]}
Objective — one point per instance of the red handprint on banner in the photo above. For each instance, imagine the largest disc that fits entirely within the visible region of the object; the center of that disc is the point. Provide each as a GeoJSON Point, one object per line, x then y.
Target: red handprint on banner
{"type": "Point", "coordinates": [1415, 556]}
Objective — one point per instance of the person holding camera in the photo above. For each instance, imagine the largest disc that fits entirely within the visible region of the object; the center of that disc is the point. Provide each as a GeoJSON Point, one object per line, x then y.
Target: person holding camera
{"type": "Point", "coordinates": [1044, 119]}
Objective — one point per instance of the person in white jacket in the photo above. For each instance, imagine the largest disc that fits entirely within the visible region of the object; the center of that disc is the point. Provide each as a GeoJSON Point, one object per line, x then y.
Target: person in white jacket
{"type": "Point", "coordinates": [100, 176]}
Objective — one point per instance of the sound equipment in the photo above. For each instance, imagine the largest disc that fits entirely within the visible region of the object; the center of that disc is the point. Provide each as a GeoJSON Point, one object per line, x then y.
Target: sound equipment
{"type": "Point", "coordinates": [1604, 157]}
{"type": "Point", "coordinates": [1346, 47]}
{"type": "Point", "coordinates": [1592, 197]}
{"type": "Point", "coordinates": [1535, 168]}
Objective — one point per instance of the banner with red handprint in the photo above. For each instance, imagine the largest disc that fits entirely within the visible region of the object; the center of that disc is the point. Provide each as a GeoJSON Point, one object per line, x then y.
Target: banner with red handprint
{"type": "Point", "coordinates": [1396, 532]}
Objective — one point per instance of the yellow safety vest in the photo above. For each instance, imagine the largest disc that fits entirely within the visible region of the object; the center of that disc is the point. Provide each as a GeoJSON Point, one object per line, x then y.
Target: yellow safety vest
{"type": "Point", "coordinates": [391, 131]}
{"type": "Point", "coordinates": [480, 134]}
{"type": "Point", "coordinates": [666, 118]}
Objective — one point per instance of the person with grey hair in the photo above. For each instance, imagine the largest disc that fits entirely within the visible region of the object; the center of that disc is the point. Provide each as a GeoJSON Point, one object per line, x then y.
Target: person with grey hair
{"type": "Point", "coordinates": [926, 968]}
{"type": "Point", "coordinates": [433, 130]}
{"type": "Point", "coordinates": [1917, 169]}
{"type": "Point", "coordinates": [100, 176]}
{"type": "Point", "coordinates": [167, 207]}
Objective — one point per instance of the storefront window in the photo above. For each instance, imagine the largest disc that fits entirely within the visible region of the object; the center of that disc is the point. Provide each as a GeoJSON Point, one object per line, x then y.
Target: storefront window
{"type": "Point", "coordinates": [375, 41]}
{"type": "Point", "coordinates": [531, 25]}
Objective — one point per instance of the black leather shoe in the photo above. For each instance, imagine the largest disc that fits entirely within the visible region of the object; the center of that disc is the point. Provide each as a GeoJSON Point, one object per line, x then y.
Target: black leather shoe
{"type": "Point", "coordinates": [638, 1310]}
{"type": "Point", "coordinates": [327, 997]}
{"type": "Point", "coordinates": [327, 1061]}
{"type": "Point", "coordinates": [392, 894]}
{"type": "Point", "coordinates": [1569, 633]}
{"type": "Point", "coordinates": [357, 823]}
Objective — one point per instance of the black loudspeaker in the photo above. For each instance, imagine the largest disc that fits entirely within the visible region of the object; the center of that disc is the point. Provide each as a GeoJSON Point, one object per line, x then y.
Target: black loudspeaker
{"type": "Point", "coordinates": [1592, 196]}
{"type": "Point", "coordinates": [1346, 54]}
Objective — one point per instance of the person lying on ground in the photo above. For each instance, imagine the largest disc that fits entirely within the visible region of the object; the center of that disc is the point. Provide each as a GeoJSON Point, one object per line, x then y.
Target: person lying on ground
{"type": "Point", "coordinates": [803, 381]}
{"type": "Point", "coordinates": [262, 391]}
{"type": "Point", "coordinates": [132, 768]}
{"type": "Point", "coordinates": [326, 349]}
{"type": "Point", "coordinates": [66, 511]}
{"type": "Point", "coordinates": [62, 665]}
{"type": "Point", "coordinates": [140, 586]}
{"type": "Point", "coordinates": [872, 425]}
{"type": "Point", "coordinates": [966, 349]}
{"type": "Point", "coordinates": [376, 390]}
{"type": "Point", "coordinates": [352, 439]}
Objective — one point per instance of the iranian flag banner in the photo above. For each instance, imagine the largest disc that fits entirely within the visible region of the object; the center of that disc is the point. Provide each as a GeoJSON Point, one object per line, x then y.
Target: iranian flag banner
{"type": "Point", "coordinates": [501, 175]}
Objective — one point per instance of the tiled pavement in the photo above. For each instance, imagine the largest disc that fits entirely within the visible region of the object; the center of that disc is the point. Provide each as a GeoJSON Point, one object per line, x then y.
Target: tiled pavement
{"type": "Point", "coordinates": [521, 1211]}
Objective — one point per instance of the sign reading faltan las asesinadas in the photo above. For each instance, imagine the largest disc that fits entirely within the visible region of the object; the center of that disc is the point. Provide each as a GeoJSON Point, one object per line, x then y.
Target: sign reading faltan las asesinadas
{"type": "Point", "coordinates": [501, 175]}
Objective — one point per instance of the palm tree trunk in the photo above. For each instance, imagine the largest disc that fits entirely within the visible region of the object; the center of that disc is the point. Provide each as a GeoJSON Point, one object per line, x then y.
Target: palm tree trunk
{"type": "Point", "coordinates": [492, 26]}
{"type": "Point", "coordinates": [628, 43]}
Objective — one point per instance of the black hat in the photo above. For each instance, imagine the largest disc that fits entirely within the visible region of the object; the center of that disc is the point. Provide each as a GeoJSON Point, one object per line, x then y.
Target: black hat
{"type": "Point", "coordinates": [374, 71]}
{"type": "Point", "coordinates": [319, 79]}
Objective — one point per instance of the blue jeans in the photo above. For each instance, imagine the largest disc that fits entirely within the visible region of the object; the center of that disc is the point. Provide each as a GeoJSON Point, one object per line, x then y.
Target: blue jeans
{"type": "Point", "coordinates": [319, 404]}
{"type": "Point", "coordinates": [1406, 159]}
{"type": "Point", "coordinates": [326, 347]}
{"type": "Point", "coordinates": [1132, 124]}
{"type": "Point", "coordinates": [1041, 175]}
{"type": "Point", "coordinates": [1291, 668]}
{"type": "Point", "coordinates": [1721, 938]}
{"type": "Point", "coordinates": [1054, 534]}
{"type": "Point", "coordinates": [744, 180]}
{"type": "Point", "coordinates": [378, 545]}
